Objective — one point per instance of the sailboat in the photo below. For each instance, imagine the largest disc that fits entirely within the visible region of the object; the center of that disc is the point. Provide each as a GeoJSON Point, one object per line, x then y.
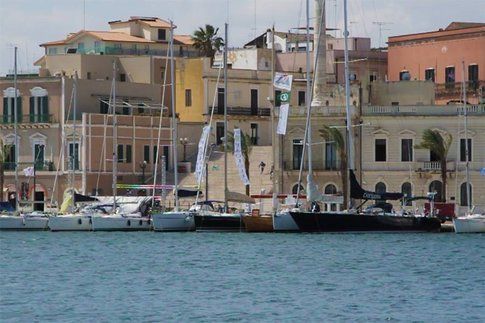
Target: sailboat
{"type": "Point", "coordinates": [13, 219]}
{"type": "Point", "coordinates": [379, 217]}
{"type": "Point", "coordinates": [125, 213]}
{"type": "Point", "coordinates": [471, 222]}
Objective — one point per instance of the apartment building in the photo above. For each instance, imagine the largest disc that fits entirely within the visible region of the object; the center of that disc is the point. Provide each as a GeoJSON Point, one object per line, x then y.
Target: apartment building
{"type": "Point", "coordinates": [438, 56]}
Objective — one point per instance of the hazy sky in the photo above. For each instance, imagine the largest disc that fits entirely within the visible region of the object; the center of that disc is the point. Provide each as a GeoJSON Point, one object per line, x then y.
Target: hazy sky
{"type": "Point", "coordinates": [27, 23]}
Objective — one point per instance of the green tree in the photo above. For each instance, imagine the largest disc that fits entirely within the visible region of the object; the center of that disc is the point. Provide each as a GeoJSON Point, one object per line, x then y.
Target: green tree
{"type": "Point", "coordinates": [207, 41]}
{"type": "Point", "coordinates": [333, 134]}
{"type": "Point", "coordinates": [246, 148]}
{"type": "Point", "coordinates": [439, 145]}
{"type": "Point", "coordinates": [4, 152]}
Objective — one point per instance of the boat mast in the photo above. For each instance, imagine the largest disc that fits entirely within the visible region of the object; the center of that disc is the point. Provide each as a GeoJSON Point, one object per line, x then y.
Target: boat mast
{"type": "Point", "coordinates": [174, 120]}
{"type": "Point", "coordinates": [225, 118]}
{"type": "Point", "coordinates": [15, 113]}
{"type": "Point", "coordinates": [115, 138]}
{"type": "Point", "coordinates": [273, 134]}
{"type": "Point", "coordinates": [350, 145]}
{"type": "Point", "coordinates": [467, 162]}
{"type": "Point", "coordinates": [73, 156]}
{"type": "Point", "coordinates": [308, 89]}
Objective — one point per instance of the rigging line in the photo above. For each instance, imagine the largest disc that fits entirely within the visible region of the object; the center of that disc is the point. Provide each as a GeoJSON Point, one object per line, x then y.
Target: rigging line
{"type": "Point", "coordinates": [160, 131]}
{"type": "Point", "coordinates": [102, 158]}
{"type": "Point", "coordinates": [61, 153]}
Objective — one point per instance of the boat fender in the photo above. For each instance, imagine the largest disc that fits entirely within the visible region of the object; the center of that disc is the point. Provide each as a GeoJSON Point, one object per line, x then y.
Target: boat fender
{"type": "Point", "coordinates": [79, 221]}
{"type": "Point", "coordinates": [128, 223]}
{"type": "Point", "coordinates": [187, 218]}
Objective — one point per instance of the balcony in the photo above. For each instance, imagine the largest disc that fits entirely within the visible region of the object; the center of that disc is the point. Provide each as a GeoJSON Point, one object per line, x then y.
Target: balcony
{"type": "Point", "coordinates": [8, 119]}
{"type": "Point", "coordinates": [242, 111]}
{"type": "Point", "coordinates": [46, 166]}
{"type": "Point", "coordinates": [111, 50]}
{"type": "Point", "coordinates": [433, 166]}
{"type": "Point", "coordinates": [422, 110]}
{"type": "Point", "coordinates": [453, 89]}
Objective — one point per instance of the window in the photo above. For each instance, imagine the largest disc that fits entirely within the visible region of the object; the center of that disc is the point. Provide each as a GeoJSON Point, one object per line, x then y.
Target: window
{"type": "Point", "coordinates": [219, 132]}
{"type": "Point", "coordinates": [437, 187]}
{"type": "Point", "coordinates": [128, 154]}
{"type": "Point", "coordinates": [127, 109]}
{"type": "Point", "coordinates": [188, 97]}
{"type": "Point", "coordinates": [166, 152]}
{"type": "Point", "coordinates": [80, 48]}
{"type": "Point", "coordinates": [146, 154]}
{"type": "Point", "coordinates": [297, 153]}
{"type": "Point", "coordinates": [450, 77]}
{"type": "Point", "coordinates": [9, 109]}
{"type": "Point", "coordinates": [433, 156]}
{"type": "Point", "coordinates": [254, 134]}
{"type": "Point", "coordinates": [301, 98]}
{"type": "Point", "coordinates": [463, 148]}
{"type": "Point", "coordinates": [394, 103]}
{"type": "Point", "coordinates": [429, 74]}
{"type": "Point", "coordinates": [372, 77]}
{"type": "Point", "coordinates": [330, 156]}
{"type": "Point", "coordinates": [254, 101]}
{"type": "Point", "coordinates": [88, 75]}
{"type": "Point", "coordinates": [380, 188]}
{"type": "Point", "coordinates": [406, 190]}
{"type": "Point", "coordinates": [9, 158]}
{"type": "Point", "coordinates": [404, 76]}
{"type": "Point", "coordinates": [294, 189]}
{"type": "Point", "coordinates": [277, 98]}
{"type": "Point", "coordinates": [380, 150]}
{"type": "Point", "coordinates": [120, 154]}
{"type": "Point", "coordinates": [155, 152]}
{"type": "Point", "coordinates": [473, 76]}
{"type": "Point", "coordinates": [97, 46]}
{"type": "Point", "coordinates": [220, 100]}
{"type": "Point", "coordinates": [464, 200]}
{"type": "Point", "coordinates": [103, 106]}
{"type": "Point", "coordinates": [122, 77]}
{"type": "Point", "coordinates": [39, 151]}
{"type": "Point", "coordinates": [162, 34]}
{"type": "Point", "coordinates": [330, 189]}
{"type": "Point", "coordinates": [39, 109]}
{"type": "Point", "coordinates": [406, 150]}
{"type": "Point", "coordinates": [73, 155]}
{"type": "Point", "coordinates": [52, 51]}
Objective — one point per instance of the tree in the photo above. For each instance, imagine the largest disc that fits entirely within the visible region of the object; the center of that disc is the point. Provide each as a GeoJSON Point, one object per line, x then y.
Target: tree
{"type": "Point", "coordinates": [4, 152]}
{"type": "Point", "coordinates": [333, 134]}
{"type": "Point", "coordinates": [207, 41]}
{"type": "Point", "coordinates": [439, 145]}
{"type": "Point", "coordinates": [246, 148]}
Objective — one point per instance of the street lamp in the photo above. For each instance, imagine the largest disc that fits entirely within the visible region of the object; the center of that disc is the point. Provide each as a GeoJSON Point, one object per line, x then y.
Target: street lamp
{"type": "Point", "coordinates": [143, 166]}
{"type": "Point", "coordinates": [184, 142]}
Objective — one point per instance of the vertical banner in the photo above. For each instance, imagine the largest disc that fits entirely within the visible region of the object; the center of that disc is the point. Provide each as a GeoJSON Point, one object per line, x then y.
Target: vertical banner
{"type": "Point", "coordinates": [239, 157]}
{"type": "Point", "coordinates": [283, 119]}
{"type": "Point", "coordinates": [199, 167]}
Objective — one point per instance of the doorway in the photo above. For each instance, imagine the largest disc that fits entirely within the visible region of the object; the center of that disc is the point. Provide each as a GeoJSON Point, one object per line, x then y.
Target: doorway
{"type": "Point", "coordinates": [39, 197]}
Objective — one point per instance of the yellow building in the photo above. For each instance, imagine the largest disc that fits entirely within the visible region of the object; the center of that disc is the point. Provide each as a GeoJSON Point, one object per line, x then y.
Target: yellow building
{"type": "Point", "coordinates": [189, 90]}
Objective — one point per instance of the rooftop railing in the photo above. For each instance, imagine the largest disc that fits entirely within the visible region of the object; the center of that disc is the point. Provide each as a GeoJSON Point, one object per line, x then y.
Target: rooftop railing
{"type": "Point", "coordinates": [29, 118]}
{"type": "Point", "coordinates": [423, 110]}
{"type": "Point", "coordinates": [111, 50]}
{"type": "Point", "coordinates": [244, 111]}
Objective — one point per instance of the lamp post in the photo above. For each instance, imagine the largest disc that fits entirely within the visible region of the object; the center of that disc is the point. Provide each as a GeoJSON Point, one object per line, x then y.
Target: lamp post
{"type": "Point", "coordinates": [143, 166]}
{"type": "Point", "coordinates": [184, 142]}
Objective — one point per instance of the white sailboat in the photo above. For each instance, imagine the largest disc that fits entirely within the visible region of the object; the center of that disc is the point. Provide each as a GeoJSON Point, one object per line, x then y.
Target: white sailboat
{"type": "Point", "coordinates": [471, 222]}
{"type": "Point", "coordinates": [14, 220]}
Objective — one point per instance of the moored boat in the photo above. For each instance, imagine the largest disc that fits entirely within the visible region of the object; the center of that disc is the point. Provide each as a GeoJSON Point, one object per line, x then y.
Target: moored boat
{"type": "Point", "coordinates": [473, 223]}
{"type": "Point", "coordinates": [258, 223]}
{"type": "Point", "coordinates": [173, 221]}
{"type": "Point", "coordinates": [283, 222]}
{"type": "Point", "coordinates": [219, 222]}
{"type": "Point", "coordinates": [70, 222]}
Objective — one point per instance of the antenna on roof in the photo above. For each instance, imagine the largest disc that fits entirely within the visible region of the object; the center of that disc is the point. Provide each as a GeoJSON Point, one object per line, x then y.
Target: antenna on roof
{"type": "Point", "coordinates": [84, 14]}
{"type": "Point", "coordinates": [380, 24]}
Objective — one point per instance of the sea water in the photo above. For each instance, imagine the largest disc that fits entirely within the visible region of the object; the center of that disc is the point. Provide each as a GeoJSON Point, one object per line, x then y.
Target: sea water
{"type": "Point", "coordinates": [148, 276]}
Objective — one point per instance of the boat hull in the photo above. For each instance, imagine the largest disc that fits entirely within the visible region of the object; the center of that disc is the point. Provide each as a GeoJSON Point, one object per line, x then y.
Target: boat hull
{"type": "Point", "coordinates": [219, 223]}
{"type": "Point", "coordinates": [283, 222]}
{"type": "Point", "coordinates": [262, 223]}
{"type": "Point", "coordinates": [120, 223]}
{"type": "Point", "coordinates": [469, 225]}
{"type": "Point", "coordinates": [345, 222]}
{"type": "Point", "coordinates": [12, 222]}
{"type": "Point", "coordinates": [173, 221]}
{"type": "Point", "coordinates": [70, 223]}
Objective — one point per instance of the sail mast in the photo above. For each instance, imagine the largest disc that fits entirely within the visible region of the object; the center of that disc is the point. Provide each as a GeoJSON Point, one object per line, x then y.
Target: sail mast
{"type": "Point", "coordinates": [225, 118]}
{"type": "Point", "coordinates": [308, 88]}
{"type": "Point", "coordinates": [17, 195]}
{"type": "Point", "coordinates": [115, 138]}
{"type": "Point", "coordinates": [174, 120]}
{"type": "Point", "coordinates": [467, 161]}
{"type": "Point", "coordinates": [273, 135]}
{"type": "Point", "coordinates": [350, 145]}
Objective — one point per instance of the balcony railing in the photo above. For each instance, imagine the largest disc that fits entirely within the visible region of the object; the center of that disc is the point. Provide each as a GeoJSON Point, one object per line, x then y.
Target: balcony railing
{"type": "Point", "coordinates": [243, 111]}
{"type": "Point", "coordinates": [423, 110]}
{"type": "Point", "coordinates": [434, 166]}
{"type": "Point", "coordinates": [454, 88]}
{"type": "Point", "coordinates": [39, 166]}
{"type": "Point", "coordinates": [29, 118]}
{"type": "Point", "coordinates": [111, 50]}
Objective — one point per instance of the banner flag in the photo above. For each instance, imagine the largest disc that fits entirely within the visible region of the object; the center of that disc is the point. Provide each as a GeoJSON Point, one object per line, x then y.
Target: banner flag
{"type": "Point", "coordinates": [29, 171]}
{"type": "Point", "coordinates": [199, 166]}
{"type": "Point", "coordinates": [283, 81]}
{"type": "Point", "coordinates": [283, 119]}
{"type": "Point", "coordinates": [239, 157]}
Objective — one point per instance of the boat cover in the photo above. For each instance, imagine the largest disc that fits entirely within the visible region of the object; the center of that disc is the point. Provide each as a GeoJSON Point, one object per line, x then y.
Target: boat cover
{"type": "Point", "coordinates": [357, 192]}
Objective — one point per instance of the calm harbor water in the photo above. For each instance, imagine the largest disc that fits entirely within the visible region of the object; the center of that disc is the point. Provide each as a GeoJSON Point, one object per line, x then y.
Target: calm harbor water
{"type": "Point", "coordinates": [149, 276]}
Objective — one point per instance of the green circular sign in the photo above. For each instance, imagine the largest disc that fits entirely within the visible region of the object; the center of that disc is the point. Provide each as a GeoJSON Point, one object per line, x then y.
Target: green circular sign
{"type": "Point", "coordinates": [284, 97]}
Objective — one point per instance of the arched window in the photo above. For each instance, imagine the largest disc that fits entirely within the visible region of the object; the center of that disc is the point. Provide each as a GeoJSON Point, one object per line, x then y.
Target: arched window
{"type": "Point", "coordinates": [380, 188]}
{"type": "Point", "coordinates": [294, 190]}
{"type": "Point", "coordinates": [464, 194]}
{"type": "Point", "coordinates": [330, 189]}
{"type": "Point", "coordinates": [406, 190]}
{"type": "Point", "coordinates": [437, 186]}
{"type": "Point", "coordinates": [39, 105]}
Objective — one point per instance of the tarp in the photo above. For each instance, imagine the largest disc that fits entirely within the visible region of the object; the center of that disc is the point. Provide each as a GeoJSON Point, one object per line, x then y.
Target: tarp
{"type": "Point", "coordinates": [239, 198]}
{"type": "Point", "coordinates": [6, 207]}
{"type": "Point", "coordinates": [188, 192]}
{"type": "Point", "coordinates": [83, 198]}
{"type": "Point", "coordinates": [357, 192]}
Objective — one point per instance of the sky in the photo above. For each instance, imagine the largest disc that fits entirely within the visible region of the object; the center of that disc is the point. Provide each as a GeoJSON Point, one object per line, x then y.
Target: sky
{"type": "Point", "coordinates": [28, 23]}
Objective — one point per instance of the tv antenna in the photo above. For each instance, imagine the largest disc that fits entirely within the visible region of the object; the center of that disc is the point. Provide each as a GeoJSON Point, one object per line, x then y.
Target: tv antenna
{"type": "Point", "coordinates": [381, 24]}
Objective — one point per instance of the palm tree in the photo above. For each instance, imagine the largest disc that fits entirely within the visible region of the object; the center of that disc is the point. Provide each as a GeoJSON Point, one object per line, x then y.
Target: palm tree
{"type": "Point", "coordinates": [333, 134]}
{"type": "Point", "coordinates": [246, 148]}
{"type": "Point", "coordinates": [207, 41]}
{"type": "Point", "coordinates": [439, 145]}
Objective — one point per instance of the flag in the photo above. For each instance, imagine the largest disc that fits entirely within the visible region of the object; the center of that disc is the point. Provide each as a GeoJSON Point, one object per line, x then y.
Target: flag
{"type": "Point", "coordinates": [283, 119]}
{"type": "Point", "coordinates": [199, 166]}
{"type": "Point", "coordinates": [283, 81]}
{"type": "Point", "coordinates": [29, 171]}
{"type": "Point", "coordinates": [239, 157]}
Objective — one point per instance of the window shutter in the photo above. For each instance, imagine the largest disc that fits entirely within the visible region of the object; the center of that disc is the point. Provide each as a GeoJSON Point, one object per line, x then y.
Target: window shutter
{"type": "Point", "coordinates": [5, 110]}
{"type": "Point", "coordinates": [32, 109]}
{"type": "Point", "coordinates": [19, 109]}
{"type": "Point", "coordinates": [45, 109]}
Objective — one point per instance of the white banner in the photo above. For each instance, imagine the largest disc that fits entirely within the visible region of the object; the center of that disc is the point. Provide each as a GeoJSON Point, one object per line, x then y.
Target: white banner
{"type": "Point", "coordinates": [29, 171]}
{"type": "Point", "coordinates": [283, 119]}
{"type": "Point", "coordinates": [283, 81]}
{"type": "Point", "coordinates": [239, 157]}
{"type": "Point", "coordinates": [199, 167]}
